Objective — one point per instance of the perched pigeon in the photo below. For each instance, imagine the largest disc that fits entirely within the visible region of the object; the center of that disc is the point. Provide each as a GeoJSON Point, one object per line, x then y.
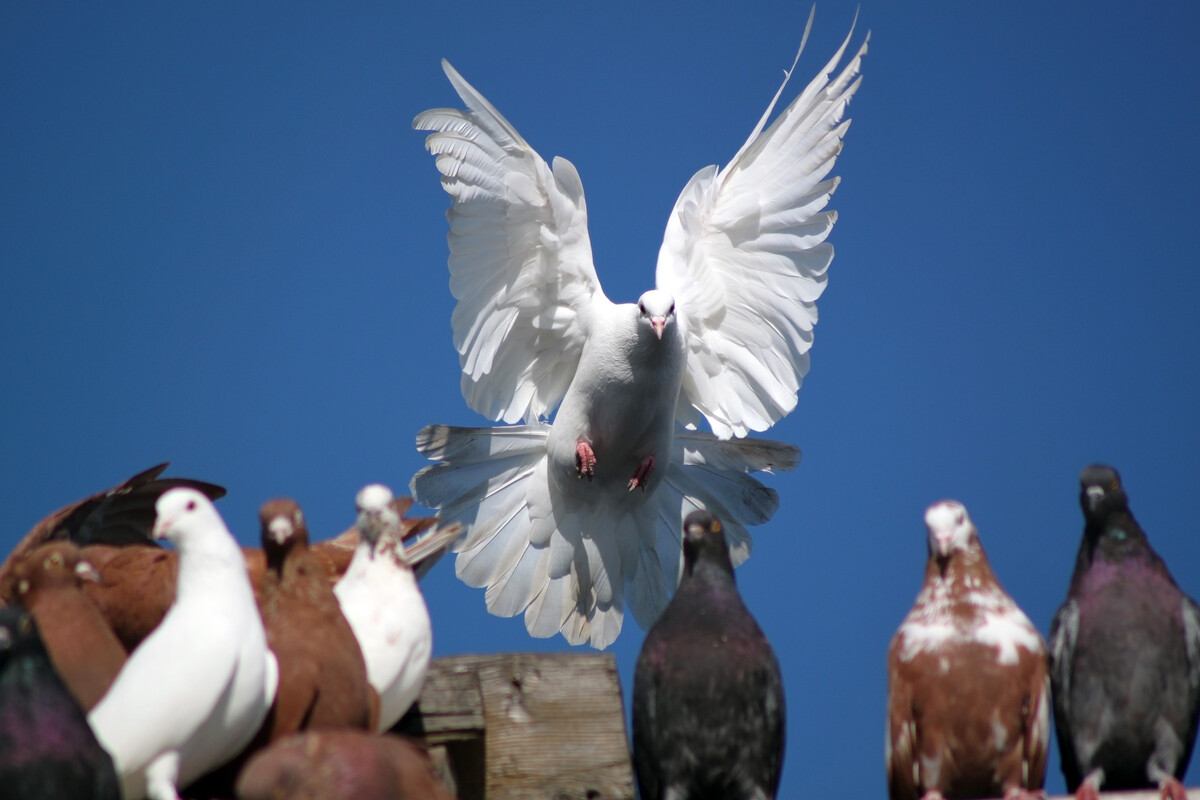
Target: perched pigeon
{"type": "Point", "coordinates": [137, 583]}
{"type": "Point", "coordinates": [115, 516]}
{"type": "Point", "coordinates": [335, 765]}
{"type": "Point", "coordinates": [46, 747]}
{"type": "Point", "coordinates": [322, 676]}
{"type": "Point", "coordinates": [568, 522]}
{"type": "Point", "coordinates": [1125, 656]}
{"type": "Point", "coordinates": [83, 648]}
{"type": "Point", "coordinates": [968, 704]}
{"type": "Point", "coordinates": [708, 707]}
{"type": "Point", "coordinates": [197, 689]}
{"type": "Point", "coordinates": [384, 606]}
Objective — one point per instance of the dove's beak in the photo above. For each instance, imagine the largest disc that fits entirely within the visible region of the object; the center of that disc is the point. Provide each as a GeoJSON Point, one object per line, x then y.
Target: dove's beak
{"type": "Point", "coordinates": [658, 323]}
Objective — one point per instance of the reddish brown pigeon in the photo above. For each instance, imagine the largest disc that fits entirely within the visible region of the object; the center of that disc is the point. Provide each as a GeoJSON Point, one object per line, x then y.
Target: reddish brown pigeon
{"type": "Point", "coordinates": [83, 648]}
{"type": "Point", "coordinates": [322, 676]}
{"type": "Point", "coordinates": [968, 694]}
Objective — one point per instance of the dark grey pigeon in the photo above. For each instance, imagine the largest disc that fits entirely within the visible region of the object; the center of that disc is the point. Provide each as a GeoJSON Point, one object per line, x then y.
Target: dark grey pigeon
{"type": "Point", "coordinates": [46, 746]}
{"type": "Point", "coordinates": [1124, 656]}
{"type": "Point", "coordinates": [708, 708]}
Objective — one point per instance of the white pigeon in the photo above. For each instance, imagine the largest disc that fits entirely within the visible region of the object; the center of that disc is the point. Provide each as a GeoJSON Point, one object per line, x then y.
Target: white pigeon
{"type": "Point", "coordinates": [381, 601]}
{"type": "Point", "coordinates": [195, 692]}
{"type": "Point", "coordinates": [568, 522]}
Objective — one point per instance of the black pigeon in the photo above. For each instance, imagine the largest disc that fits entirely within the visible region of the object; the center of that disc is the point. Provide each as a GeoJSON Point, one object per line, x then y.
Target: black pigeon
{"type": "Point", "coordinates": [46, 746]}
{"type": "Point", "coordinates": [708, 707]}
{"type": "Point", "coordinates": [1125, 656]}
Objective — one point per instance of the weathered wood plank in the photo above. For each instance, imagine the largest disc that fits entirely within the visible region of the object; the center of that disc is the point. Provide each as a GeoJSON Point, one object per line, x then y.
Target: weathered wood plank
{"type": "Point", "coordinates": [518, 726]}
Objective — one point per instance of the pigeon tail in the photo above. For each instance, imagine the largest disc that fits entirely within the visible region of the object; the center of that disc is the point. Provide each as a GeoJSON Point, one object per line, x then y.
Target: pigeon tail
{"type": "Point", "coordinates": [573, 568]}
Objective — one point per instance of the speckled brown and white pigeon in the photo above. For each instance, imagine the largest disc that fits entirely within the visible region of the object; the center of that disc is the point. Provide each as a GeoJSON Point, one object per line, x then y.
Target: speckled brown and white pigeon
{"type": "Point", "coordinates": [708, 704]}
{"type": "Point", "coordinates": [968, 695]}
{"type": "Point", "coordinates": [1125, 656]}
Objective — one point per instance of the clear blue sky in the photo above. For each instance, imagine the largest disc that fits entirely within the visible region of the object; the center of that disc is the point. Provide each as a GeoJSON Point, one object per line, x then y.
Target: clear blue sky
{"type": "Point", "coordinates": [222, 245]}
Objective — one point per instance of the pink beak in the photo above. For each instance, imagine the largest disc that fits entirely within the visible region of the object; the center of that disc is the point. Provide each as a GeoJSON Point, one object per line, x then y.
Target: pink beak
{"type": "Point", "coordinates": [87, 572]}
{"type": "Point", "coordinates": [658, 323]}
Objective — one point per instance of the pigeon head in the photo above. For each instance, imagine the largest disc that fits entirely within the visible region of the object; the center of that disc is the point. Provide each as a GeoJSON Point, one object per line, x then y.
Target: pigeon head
{"type": "Point", "coordinates": [282, 524]}
{"type": "Point", "coordinates": [183, 515]}
{"type": "Point", "coordinates": [1101, 492]}
{"type": "Point", "coordinates": [950, 531]}
{"type": "Point", "coordinates": [704, 542]}
{"type": "Point", "coordinates": [376, 513]}
{"type": "Point", "coordinates": [656, 308]}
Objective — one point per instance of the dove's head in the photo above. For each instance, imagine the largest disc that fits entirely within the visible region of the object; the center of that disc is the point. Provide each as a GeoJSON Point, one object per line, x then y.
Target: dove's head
{"type": "Point", "coordinates": [656, 308]}
{"type": "Point", "coordinates": [375, 512]}
{"type": "Point", "coordinates": [950, 529]}
{"type": "Point", "coordinates": [184, 514]}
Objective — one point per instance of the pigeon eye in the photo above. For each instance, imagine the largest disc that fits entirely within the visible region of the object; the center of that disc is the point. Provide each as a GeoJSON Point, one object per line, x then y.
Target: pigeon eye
{"type": "Point", "coordinates": [1114, 484]}
{"type": "Point", "coordinates": [191, 506]}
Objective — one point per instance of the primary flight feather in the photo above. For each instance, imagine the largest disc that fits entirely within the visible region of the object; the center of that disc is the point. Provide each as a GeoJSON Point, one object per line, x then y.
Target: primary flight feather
{"type": "Point", "coordinates": [567, 522]}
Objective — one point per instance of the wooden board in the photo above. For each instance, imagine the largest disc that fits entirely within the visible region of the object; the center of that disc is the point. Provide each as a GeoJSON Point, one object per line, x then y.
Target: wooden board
{"type": "Point", "coordinates": [518, 726]}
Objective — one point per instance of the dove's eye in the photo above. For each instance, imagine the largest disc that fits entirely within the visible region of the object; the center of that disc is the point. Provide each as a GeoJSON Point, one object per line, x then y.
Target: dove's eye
{"type": "Point", "coordinates": [191, 506]}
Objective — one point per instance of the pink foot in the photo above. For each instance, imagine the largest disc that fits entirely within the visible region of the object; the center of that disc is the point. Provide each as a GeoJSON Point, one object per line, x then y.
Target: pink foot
{"type": "Point", "coordinates": [1024, 794]}
{"type": "Point", "coordinates": [1087, 791]}
{"type": "Point", "coordinates": [1172, 789]}
{"type": "Point", "coordinates": [585, 460]}
{"type": "Point", "coordinates": [643, 472]}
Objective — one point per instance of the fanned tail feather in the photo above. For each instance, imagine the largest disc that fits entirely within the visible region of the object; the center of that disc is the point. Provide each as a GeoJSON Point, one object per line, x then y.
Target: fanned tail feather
{"type": "Point", "coordinates": [572, 570]}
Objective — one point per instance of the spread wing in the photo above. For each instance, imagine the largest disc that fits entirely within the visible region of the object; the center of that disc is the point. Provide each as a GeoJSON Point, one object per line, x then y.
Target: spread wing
{"type": "Point", "coordinates": [745, 256]}
{"type": "Point", "coordinates": [520, 259]}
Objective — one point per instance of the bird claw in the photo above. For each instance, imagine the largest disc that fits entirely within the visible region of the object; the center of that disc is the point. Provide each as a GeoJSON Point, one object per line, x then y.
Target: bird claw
{"type": "Point", "coordinates": [643, 471]}
{"type": "Point", "coordinates": [1087, 791]}
{"type": "Point", "coordinates": [585, 460]}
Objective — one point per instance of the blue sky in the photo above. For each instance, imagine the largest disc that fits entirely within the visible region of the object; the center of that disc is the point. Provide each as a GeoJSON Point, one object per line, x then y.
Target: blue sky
{"type": "Point", "coordinates": [224, 246]}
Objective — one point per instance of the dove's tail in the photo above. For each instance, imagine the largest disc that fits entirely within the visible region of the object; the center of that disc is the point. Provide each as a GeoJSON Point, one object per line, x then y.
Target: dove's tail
{"type": "Point", "coordinates": [571, 570]}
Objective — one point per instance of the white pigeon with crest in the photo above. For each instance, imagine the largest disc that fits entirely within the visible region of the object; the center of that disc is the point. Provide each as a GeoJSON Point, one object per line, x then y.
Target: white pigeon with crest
{"type": "Point", "coordinates": [567, 522]}
{"type": "Point", "coordinates": [196, 690]}
{"type": "Point", "coordinates": [380, 599]}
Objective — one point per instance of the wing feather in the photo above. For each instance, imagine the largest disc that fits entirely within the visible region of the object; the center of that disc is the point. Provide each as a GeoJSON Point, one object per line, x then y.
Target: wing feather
{"type": "Point", "coordinates": [745, 255]}
{"type": "Point", "coordinates": [520, 259]}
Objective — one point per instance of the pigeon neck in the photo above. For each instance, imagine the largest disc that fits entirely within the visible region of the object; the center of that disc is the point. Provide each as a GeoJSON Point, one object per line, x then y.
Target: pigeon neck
{"type": "Point", "coordinates": [959, 567]}
{"type": "Point", "coordinates": [1115, 539]}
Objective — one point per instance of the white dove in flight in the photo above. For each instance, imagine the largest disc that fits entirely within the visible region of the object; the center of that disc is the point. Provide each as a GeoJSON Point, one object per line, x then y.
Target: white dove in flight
{"type": "Point", "coordinates": [567, 522]}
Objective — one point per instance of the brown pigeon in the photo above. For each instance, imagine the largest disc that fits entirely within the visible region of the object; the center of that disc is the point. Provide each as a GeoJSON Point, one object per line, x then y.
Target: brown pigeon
{"type": "Point", "coordinates": [332, 765]}
{"type": "Point", "coordinates": [968, 691]}
{"type": "Point", "coordinates": [322, 675]}
{"type": "Point", "coordinates": [83, 648]}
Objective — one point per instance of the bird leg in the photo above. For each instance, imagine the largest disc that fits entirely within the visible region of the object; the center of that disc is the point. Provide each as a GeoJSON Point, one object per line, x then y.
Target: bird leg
{"type": "Point", "coordinates": [1020, 793]}
{"type": "Point", "coordinates": [1089, 789]}
{"type": "Point", "coordinates": [585, 460]}
{"type": "Point", "coordinates": [643, 472]}
{"type": "Point", "coordinates": [1172, 789]}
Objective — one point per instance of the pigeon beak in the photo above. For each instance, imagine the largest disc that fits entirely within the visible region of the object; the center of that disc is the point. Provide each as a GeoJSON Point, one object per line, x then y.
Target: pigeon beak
{"type": "Point", "coordinates": [160, 528]}
{"type": "Point", "coordinates": [658, 323]}
{"type": "Point", "coordinates": [943, 545]}
{"type": "Point", "coordinates": [280, 529]}
{"type": "Point", "coordinates": [87, 572]}
{"type": "Point", "coordinates": [1095, 495]}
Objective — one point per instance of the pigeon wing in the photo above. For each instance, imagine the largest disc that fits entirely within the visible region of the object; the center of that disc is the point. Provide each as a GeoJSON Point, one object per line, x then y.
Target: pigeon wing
{"type": "Point", "coordinates": [520, 259]}
{"type": "Point", "coordinates": [1063, 632]}
{"type": "Point", "coordinates": [745, 256]}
